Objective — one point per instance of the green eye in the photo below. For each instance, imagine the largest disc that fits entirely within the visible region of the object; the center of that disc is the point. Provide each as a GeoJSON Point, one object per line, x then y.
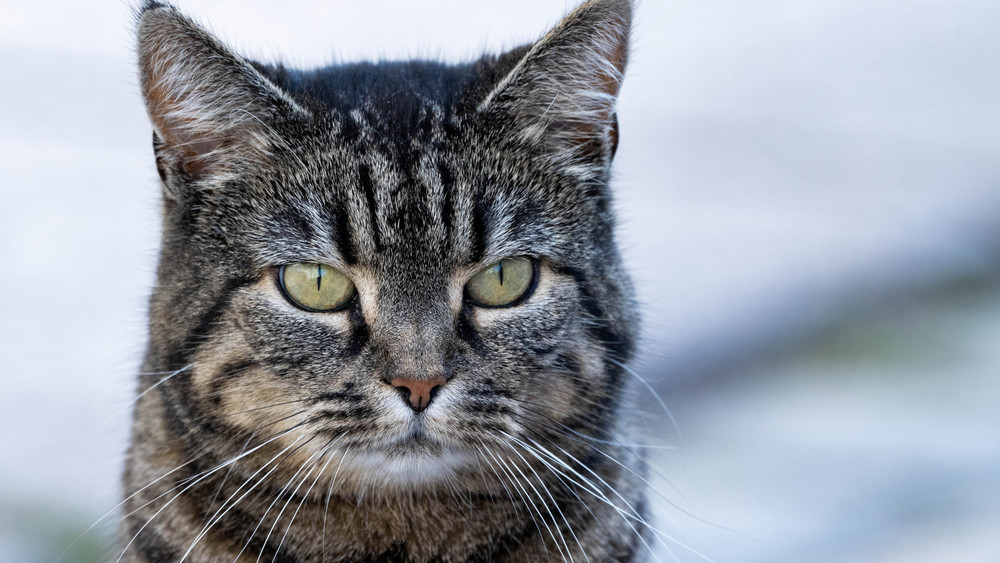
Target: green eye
{"type": "Point", "coordinates": [504, 284]}
{"type": "Point", "coordinates": [316, 287]}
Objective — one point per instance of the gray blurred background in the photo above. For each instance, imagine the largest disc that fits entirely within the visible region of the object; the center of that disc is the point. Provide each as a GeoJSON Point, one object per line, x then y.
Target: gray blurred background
{"type": "Point", "coordinates": [809, 194]}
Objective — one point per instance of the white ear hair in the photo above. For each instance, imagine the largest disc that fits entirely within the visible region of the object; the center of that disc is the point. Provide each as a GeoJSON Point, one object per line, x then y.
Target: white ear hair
{"type": "Point", "coordinates": [207, 104]}
{"type": "Point", "coordinates": [563, 92]}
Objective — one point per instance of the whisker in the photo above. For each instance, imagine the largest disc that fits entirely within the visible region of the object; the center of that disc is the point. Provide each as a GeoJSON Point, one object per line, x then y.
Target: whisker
{"type": "Point", "coordinates": [169, 375]}
{"type": "Point", "coordinates": [528, 504]}
{"type": "Point", "coordinates": [585, 440]}
{"type": "Point", "coordinates": [503, 483]}
{"type": "Point", "coordinates": [653, 392]}
{"type": "Point", "coordinates": [277, 498]}
{"type": "Point", "coordinates": [226, 477]}
{"type": "Point", "coordinates": [635, 514]}
{"type": "Point", "coordinates": [604, 498]}
{"type": "Point", "coordinates": [577, 416]}
{"type": "Point", "coordinates": [329, 492]}
{"type": "Point", "coordinates": [307, 462]}
{"type": "Point", "coordinates": [223, 510]}
{"type": "Point", "coordinates": [555, 505]}
{"type": "Point", "coordinates": [213, 469]}
{"type": "Point", "coordinates": [306, 495]}
{"type": "Point", "coordinates": [528, 496]}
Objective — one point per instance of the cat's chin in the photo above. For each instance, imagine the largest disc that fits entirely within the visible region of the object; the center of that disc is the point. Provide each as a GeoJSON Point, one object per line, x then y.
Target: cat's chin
{"type": "Point", "coordinates": [412, 462]}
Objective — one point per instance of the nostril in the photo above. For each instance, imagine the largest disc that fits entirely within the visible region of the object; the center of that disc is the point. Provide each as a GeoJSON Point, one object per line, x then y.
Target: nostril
{"type": "Point", "coordinates": [418, 392]}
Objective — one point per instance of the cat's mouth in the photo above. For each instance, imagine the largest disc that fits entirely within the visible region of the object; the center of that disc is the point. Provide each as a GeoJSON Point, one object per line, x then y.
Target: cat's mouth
{"type": "Point", "coordinates": [415, 438]}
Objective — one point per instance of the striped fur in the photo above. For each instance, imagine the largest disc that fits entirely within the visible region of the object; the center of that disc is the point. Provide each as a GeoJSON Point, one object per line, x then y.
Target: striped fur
{"type": "Point", "coordinates": [270, 433]}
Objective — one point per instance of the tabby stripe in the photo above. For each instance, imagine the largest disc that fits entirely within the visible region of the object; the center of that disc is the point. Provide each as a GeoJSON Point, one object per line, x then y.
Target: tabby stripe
{"type": "Point", "coordinates": [467, 332]}
{"type": "Point", "coordinates": [343, 237]}
{"type": "Point", "coordinates": [360, 335]}
{"type": "Point", "coordinates": [620, 345]}
{"type": "Point", "coordinates": [479, 234]}
{"type": "Point", "coordinates": [352, 414]}
{"type": "Point", "coordinates": [176, 393]}
{"type": "Point", "coordinates": [294, 222]}
{"type": "Point", "coordinates": [365, 178]}
{"type": "Point", "coordinates": [151, 546]}
{"type": "Point", "coordinates": [447, 205]}
{"type": "Point", "coordinates": [413, 210]}
{"type": "Point", "coordinates": [395, 554]}
{"type": "Point", "coordinates": [498, 548]}
{"type": "Point", "coordinates": [525, 217]}
{"type": "Point", "coordinates": [191, 343]}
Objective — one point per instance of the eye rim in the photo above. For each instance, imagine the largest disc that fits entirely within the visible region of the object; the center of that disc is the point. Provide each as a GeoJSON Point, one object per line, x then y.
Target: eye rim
{"type": "Point", "coordinates": [528, 292]}
{"type": "Point", "coordinates": [280, 274]}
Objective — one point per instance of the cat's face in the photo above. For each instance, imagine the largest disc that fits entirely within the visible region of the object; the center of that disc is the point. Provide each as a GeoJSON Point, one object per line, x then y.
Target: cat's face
{"type": "Point", "coordinates": [406, 201]}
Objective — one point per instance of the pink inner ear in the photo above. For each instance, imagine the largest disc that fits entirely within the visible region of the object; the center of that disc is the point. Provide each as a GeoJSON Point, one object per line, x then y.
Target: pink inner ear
{"type": "Point", "coordinates": [186, 138]}
{"type": "Point", "coordinates": [607, 82]}
{"type": "Point", "coordinates": [194, 147]}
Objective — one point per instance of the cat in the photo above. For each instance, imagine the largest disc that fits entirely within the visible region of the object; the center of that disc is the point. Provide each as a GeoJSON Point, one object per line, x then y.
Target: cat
{"type": "Point", "coordinates": [390, 320]}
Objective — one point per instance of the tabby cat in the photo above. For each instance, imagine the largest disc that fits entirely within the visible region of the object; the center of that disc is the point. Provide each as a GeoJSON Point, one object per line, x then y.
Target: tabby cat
{"type": "Point", "coordinates": [390, 320]}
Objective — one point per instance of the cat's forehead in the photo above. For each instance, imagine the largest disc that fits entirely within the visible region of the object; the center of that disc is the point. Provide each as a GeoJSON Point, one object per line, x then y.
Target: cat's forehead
{"type": "Point", "coordinates": [400, 203]}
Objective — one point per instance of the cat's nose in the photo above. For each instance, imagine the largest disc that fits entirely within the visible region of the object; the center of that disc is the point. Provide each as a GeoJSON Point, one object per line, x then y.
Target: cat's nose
{"type": "Point", "coordinates": [418, 392]}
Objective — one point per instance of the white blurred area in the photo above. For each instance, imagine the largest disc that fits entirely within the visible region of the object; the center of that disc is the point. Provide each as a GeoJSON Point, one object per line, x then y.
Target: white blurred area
{"type": "Point", "coordinates": [809, 195]}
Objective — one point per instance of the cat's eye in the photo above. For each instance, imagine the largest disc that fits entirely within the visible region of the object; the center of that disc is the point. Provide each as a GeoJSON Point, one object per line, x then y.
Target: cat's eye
{"type": "Point", "coordinates": [316, 287]}
{"type": "Point", "coordinates": [503, 284]}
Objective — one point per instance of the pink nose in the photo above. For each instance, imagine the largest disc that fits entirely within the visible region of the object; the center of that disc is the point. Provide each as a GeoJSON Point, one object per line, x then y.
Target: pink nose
{"type": "Point", "coordinates": [419, 392]}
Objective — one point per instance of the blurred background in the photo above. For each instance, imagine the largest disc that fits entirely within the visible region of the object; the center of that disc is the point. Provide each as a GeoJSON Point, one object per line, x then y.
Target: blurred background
{"type": "Point", "coordinates": [809, 199]}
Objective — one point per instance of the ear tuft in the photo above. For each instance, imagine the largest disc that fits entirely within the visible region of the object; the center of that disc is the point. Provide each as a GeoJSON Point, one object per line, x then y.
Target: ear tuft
{"type": "Point", "coordinates": [562, 94]}
{"type": "Point", "coordinates": [209, 107]}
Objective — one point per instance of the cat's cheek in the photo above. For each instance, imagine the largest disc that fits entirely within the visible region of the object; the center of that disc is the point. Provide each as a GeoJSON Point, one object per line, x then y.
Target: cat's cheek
{"type": "Point", "coordinates": [241, 395]}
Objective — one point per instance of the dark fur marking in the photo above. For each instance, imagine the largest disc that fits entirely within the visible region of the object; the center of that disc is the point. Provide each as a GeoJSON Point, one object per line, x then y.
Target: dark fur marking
{"type": "Point", "coordinates": [343, 236]}
{"type": "Point", "coordinates": [479, 230]}
{"type": "Point", "coordinates": [397, 553]}
{"type": "Point", "coordinates": [468, 333]}
{"type": "Point", "coordinates": [367, 184]}
{"type": "Point", "coordinates": [352, 414]}
{"type": "Point", "coordinates": [619, 345]}
{"type": "Point", "coordinates": [151, 546]}
{"type": "Point", "coordinates": [183, 353]}
{"type": "Point", "coordinates": [291, 222]}
{"type": "Point", "coordinates": [526, 215]}
{"type": "Point", "coordinates": [360, 335]}
{"type": "Point", "coordinates": [412, 214]}
{"type": "Point", "coordinates": [345, 395]}
{"type": "Point", "coordinates": [447, 203]}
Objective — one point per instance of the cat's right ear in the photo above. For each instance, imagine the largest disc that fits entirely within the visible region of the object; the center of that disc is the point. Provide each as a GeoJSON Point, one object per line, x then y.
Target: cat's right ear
{"type": "Point", "coordinates": [211, 109]}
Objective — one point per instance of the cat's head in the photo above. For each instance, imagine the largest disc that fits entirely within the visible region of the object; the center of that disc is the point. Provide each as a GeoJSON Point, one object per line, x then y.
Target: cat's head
{"type": "Point", "coordinates": [402, 266]}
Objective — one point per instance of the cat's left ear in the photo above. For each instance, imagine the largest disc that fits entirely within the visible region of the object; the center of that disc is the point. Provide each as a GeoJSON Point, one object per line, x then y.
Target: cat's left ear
{"type": "Point", "coordinates": [212, 111]}
{"type": "Point", "coordinates": [563, 91]}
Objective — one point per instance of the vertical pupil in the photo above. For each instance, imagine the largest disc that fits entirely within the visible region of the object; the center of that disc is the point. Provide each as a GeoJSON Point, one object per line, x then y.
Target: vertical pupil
{"type": "Point", "coordinates": [319, 275]}
{"type": "Point", "coordinates": [500, 272]}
